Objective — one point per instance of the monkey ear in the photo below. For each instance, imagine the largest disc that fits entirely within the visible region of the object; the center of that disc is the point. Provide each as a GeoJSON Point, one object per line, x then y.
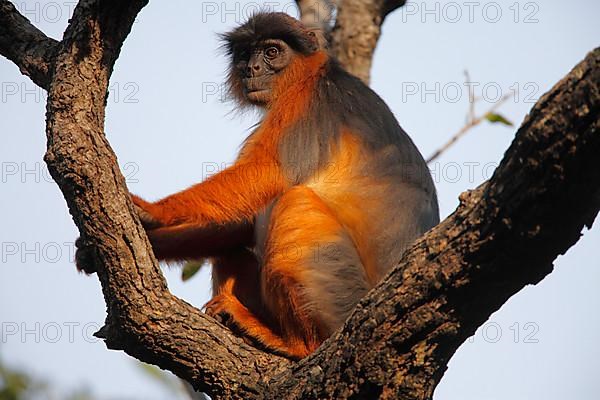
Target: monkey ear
{"type": "Point", "coordinates": [319, 38]}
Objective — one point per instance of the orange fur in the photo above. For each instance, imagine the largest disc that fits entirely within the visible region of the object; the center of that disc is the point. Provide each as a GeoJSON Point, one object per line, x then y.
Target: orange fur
{"type": "Point", "coordinates": [301, 222]}
{"type": "Point", "coordinates": [332, 184]}
{"type": "Point", "coordinates": [302, 226]}
{"type": "Point", "coordinates": [237, 193]}
{"type": "Point", "coordinates": [303, 219]}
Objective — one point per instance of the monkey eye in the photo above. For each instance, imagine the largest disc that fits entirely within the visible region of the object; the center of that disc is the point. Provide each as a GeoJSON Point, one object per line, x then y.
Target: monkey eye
{"type": "Point", "coordinates": [272, 52]}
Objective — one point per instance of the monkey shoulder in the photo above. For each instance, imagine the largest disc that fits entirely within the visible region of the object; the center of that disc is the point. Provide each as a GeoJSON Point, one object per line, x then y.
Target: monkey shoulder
{"type": "Point", "coordinates": [351, 106]}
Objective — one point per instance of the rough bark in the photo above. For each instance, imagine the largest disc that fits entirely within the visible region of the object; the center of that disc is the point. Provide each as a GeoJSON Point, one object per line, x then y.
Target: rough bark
{"type": "Point", "coordinates": [316, 13]}
{"type": "Point", "coordinates": [357, 30]}
{"type": "Point", "coordinates": [142, 316]}
{"type": "Point", "coordinates": [504, 235]}
{"type": "Point", "coordinates": [25, 45]}
{"type": "Point", "coordinates": [396, 344]}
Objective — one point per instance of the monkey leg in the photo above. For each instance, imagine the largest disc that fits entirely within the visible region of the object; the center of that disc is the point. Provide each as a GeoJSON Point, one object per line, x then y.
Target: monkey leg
{"type": "Point", "coordinates": [312, 276]}
{"type": "Point", "coordinates": [236, 298]}
{"type": "Point", "coordinates": [310, 279]}
{"type": "Point", "coordinates": [237, 275]}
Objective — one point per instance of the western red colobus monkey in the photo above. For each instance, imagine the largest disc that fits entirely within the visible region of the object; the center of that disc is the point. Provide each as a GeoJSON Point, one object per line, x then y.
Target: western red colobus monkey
{"type": "Point", "coordinates": [325, 196]}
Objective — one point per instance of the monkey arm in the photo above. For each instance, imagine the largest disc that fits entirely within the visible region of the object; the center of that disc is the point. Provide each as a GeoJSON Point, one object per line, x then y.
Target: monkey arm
{"type": "Point", "coordinates": [189, 241]}
{"type": "Point", "coordinates": [233, 195]}
{"type": "Point", "coordinates": [214, 215]}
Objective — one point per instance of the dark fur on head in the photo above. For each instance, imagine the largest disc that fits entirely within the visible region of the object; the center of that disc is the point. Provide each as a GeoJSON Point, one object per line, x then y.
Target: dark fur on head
{"type": "Point", "coordinates": [260, 27]}
{"type": "Point", "coordinates": [271, 25]}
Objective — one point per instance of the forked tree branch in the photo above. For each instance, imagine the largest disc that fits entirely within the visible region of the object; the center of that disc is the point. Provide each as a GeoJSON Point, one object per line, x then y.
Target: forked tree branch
{"type": "Point", "coordinates": [472, 122]}
{"type": "Point", "coordinates": [25, 45]}
{"type": "Point", "coordinates": [143, 317]}
{"type": "Point", "coordinates": [357, 30]}
{"type": "Point", "coordinates": [504, 235]}
{"type": "Point", "coordinates": [397, 343]}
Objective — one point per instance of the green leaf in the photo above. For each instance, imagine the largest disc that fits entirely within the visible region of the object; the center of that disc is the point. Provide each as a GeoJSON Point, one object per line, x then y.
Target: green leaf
{"type": "Point", "coordinates": [190, 268]}
{"type": "Point", "coordinates": [497, 119]}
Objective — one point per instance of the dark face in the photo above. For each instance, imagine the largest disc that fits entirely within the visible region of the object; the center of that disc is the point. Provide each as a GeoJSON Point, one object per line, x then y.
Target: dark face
{"type": "Point", "coordinates": [258, 67]}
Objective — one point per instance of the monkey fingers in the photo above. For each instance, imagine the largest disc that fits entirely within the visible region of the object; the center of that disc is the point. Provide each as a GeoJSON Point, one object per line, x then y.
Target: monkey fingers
{"type": "Point", "coordinates": [142, 208]}
{"type": "Point", "coordinates": [84, 257]}
{"type": "Point", "coordinates": [147, 220]}
{"type": "Point", "coordinates": [240, 319]}
{"type": "Point", "coordinates": [218, 308]}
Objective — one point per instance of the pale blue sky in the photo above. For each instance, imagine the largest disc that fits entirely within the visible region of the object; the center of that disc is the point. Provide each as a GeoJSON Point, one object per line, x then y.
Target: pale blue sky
{"type": "Point", "coordinates": [169, 129]}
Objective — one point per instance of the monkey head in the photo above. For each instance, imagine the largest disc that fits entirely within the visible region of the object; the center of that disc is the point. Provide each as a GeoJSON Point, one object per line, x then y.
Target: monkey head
{"type": "Point", "coordinates": [260, 50]}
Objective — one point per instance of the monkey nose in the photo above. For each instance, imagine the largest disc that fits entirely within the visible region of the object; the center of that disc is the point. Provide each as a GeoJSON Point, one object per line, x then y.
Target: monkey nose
{"type": "Point", "coordinates": [253, 69]}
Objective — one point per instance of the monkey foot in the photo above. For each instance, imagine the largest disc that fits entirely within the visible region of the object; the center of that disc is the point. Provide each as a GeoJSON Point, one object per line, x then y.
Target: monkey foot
{"type": "Point", "coordinates": [218, 307]}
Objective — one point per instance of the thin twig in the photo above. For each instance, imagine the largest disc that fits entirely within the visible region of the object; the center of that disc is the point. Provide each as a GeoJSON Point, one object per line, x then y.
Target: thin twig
{"type": "Point", "coordinates": [472, 98]}
{"type": "Point", "coordinates": [472, 120]}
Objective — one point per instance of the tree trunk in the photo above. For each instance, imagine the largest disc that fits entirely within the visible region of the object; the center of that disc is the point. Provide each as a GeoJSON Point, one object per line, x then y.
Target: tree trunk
{"type": "Point", "coordinates": [396, 344]}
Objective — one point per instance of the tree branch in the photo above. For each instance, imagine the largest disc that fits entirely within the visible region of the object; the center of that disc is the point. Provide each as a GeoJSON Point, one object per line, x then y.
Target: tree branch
{"type": "Point", "coordinates": [503, 236]}
{"type": "Point", "coordinates": [143, 318]}
{"type": "Point", "coordinates": [357, 30]}
{"type": "Point", "coordinates": [396, 344]}
{"type": "Point", "coordinates": [26, 46]}
{"type": "Point", "coordinates": [472, 122]}
{"type": "Point", "coordinates": [391, 5]}
{"type": "Point", "coordinates": [316, 13]}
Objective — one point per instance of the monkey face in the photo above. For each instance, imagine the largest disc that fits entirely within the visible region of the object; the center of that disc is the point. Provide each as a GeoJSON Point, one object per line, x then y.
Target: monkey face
{"type": "Point", "coordinates": [259, 66]}
{"type": "Point", "coordinates": [260, 50]}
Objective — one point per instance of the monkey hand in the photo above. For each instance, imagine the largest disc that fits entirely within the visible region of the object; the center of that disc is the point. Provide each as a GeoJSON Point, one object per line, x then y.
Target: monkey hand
{"type": "Point", "coordinates": [84, 257]}
{"type": "Point", "coordinates": [143, 209]}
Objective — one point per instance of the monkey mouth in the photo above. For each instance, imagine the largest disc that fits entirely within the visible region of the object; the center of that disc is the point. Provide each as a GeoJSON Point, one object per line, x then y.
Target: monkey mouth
{"type": "Point", "coordinates": [258, 89]}
{"type": "Point", "coordinates": [256, 92]}
{"type": "Point", "coordinates": [257, 83]}
{"type": "Point", "coordinates": [258, 96]}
